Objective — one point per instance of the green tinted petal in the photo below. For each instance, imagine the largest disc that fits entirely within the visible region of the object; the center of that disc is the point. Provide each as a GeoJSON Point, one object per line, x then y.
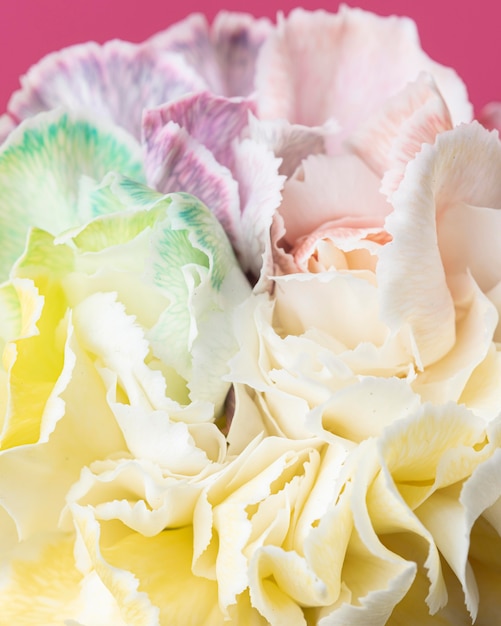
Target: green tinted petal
{"type": "Point", "coordinates": [41, 165]}
{"type": "Point", "coordinates": [174, 248]}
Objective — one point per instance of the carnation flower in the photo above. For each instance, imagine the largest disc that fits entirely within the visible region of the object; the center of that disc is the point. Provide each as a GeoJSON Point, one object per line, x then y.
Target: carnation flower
{"type": "Point", "coordinates": [250, 331]}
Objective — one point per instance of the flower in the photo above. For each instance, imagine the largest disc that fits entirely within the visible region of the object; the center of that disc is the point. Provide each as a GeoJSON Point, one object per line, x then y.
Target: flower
{"type": "Point", "coordinates": [250, 331]}
{"type": "Point", "coordinates": [113, 343]}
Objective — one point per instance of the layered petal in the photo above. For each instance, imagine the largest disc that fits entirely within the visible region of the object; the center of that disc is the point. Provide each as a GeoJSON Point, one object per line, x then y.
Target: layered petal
{"type": "Point", "coordinates": [84, 77]}
{"type": "Point", "coordinates": [337, 58]}
{"type": "Point", "coordinates": [41, 169]}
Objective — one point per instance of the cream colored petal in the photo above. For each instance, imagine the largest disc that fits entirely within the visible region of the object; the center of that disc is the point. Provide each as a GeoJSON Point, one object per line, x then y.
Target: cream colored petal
{"type": "Point", "coordinates": [140, 494]}
{"type": "Point", "coordinates": [482, 392]}
{"type": "Point", "coordinates": [35, 478]}
{"type": "Point", "coordinates": [410, 272]}
{"type": "Point", "coordinates": [150, 577]}
{"type": "Point", "coordinates": [363, 409]}
{"type": "Point", "coordinates": [42, 587]}
{"type": "Point", "coordinates": [433, 448]}
{"type": "Point", "coordinates": [250, 504]}
{"type": "Point", "coordinates": [306, 301]}
{"type": "Point", "coordinates": [155, 436]}
{"type": "Point", "coordinates": [476, 320]}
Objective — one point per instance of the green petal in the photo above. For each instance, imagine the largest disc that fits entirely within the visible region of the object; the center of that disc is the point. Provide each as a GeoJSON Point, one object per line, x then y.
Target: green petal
{"type": "Point", "coordinates": [172, 247]}
{"type": "Point", "coordinates": [41, 169]}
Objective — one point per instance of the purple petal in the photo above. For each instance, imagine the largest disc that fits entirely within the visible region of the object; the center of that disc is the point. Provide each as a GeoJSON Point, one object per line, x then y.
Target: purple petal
{"type": "Point", "coordinates": [238, 38]}
{"type": "Point", "coordinates": [115, 81]}
{"type": "Point", "coordinates": [177, 162]}
{"type": "Point", "coordinates": [213, 121]}
{"type": "Point", "coordinates": [224, 54]}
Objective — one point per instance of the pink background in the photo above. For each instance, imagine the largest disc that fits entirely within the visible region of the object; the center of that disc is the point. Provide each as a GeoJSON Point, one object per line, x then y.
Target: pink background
{"type": "Point", "coordinates": [459, 33]}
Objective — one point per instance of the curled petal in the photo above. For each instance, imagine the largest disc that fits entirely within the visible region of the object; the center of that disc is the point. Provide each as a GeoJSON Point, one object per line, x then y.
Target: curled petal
{"type": "Point", "coordinates": [338, 190]}
{"type": "Point", "coordinates": [443, 188]}
{"type": "Point", "coordinates": [395, 134]}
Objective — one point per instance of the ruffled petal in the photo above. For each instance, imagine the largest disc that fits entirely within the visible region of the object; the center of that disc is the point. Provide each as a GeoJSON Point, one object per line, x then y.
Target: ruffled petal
{"type": "Point", "coordinates": [439, 187]}
{"type": "Point", "coordinates": [176, 162]}
{"type": "Point", "coordinates": [331, 189]}
{"type": "Point", "coordinates": [84, 77]}
{"type": "Point", "coordinates": [256, 170]}
{"type": "Point", "coordinates": [213, 121]}
{"type": "Point", "coordinates": [331, 56]}
{"type": "Point", "coordinates": [41, 166]}
{"type": "Point", "coordinates": [394, 135]}
{"type": "Point", "coordinates": [224, 55]}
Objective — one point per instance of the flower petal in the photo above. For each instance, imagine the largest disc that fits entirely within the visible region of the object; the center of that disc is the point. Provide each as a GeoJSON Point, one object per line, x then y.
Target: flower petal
{"type": "Point", "coordinates": [438, 188]}
{"type": "Point", "coordinates": [83, 77]}
{"type": "Point", "coordinates": [332, 56]}
{"type": "Point", "coordinates": [176, 162]}
{"type": "Point", "coordinates": [213, 121]}
{"type": "Point", "coordinates": [331, 189]}
{"type": "Point", "coordinates": [41, 165]}
{"type": "Point", "coordinates": [224, 55]}
{"type": "Point", "coordinates": [395, 134]}
{"type": "Point", "coordinates": [259, 184]}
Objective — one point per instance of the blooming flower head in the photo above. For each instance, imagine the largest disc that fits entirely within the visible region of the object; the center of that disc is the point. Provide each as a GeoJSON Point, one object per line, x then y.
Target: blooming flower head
{"type": "Point", "coordinates": [250, 331]}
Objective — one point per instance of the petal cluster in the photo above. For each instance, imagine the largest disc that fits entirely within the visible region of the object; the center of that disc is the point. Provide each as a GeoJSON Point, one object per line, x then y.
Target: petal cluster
{"type": "Point", "coordinates": [249, 323]}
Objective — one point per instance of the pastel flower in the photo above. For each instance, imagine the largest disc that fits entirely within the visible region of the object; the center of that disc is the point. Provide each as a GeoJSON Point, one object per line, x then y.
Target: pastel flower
{"type": "Point", "coordinates": [300, 527]}
{"type": "Point", "coordinates": [115, 342]}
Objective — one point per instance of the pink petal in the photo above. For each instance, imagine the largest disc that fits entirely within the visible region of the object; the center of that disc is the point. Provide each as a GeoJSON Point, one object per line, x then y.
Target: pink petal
{"type": "Point", "coordinates": [291, 142]}
{"type": "Point", "coordinates": [334, 246]}
{"type": "Point", "coordinates": [490, 116]}
{"type": "Point", "coordinates": [115, 81]}
{"type": "Point", "coordinates": [319, 66]}
{"type": "Point", "coordinates": [213, 121]}
{"type": "Point", "coordinates": [175, 161]}
{"type": "Point", "coordinates": [327, 188]}
{"type": "Point", "coordinates": [224, 54]}
{"type": "Point", "coordinates": [395, 133]}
